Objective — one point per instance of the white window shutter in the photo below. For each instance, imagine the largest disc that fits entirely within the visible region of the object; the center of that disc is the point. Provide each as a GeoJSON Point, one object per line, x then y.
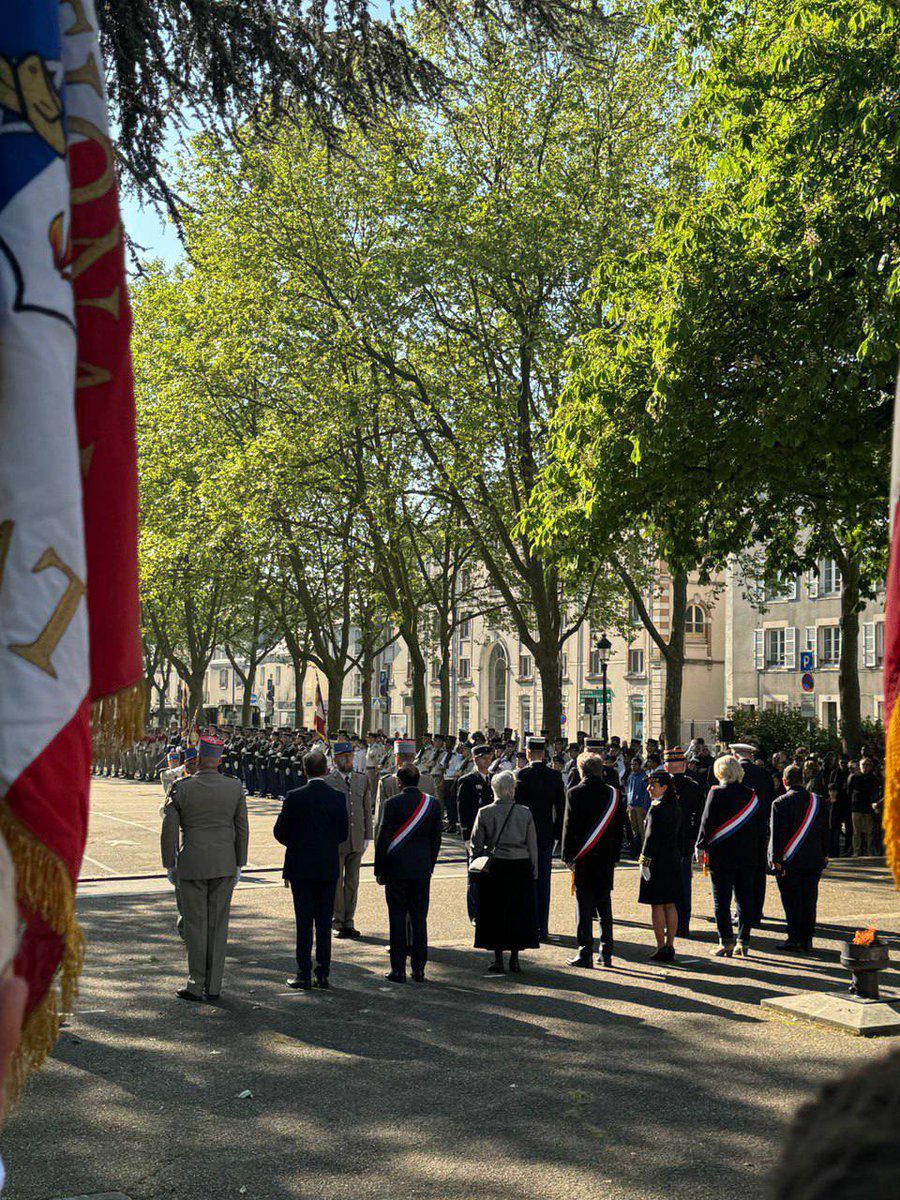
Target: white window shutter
{"type": "Point", "coordinates": [795, 589]}
{"type": "Point", "coordinates": [811, 643]}
{"type": "Point", "coordinates": [759, 649]}
{"type": "Point", "coordinates": [812, 584]}
{"type": "Point", "coordinates": [869, 644]}
{"type": "Point", "coordinates": [790, 648]}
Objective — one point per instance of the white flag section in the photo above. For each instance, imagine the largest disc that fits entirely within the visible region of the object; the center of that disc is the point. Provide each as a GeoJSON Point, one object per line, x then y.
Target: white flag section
{"type": "Point", "coordinates": [43, 619]}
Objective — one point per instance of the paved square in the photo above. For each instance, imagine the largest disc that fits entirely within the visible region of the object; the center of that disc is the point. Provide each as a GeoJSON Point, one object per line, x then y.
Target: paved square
{"type": "Point", "coordinates": [647, 1083]}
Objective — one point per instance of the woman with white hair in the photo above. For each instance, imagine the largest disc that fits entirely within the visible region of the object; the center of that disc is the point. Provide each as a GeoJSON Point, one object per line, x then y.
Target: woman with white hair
{"type": "Point", "coordinates": [731, 831]}
{"type": "Point", "coordinates": [506, 913]}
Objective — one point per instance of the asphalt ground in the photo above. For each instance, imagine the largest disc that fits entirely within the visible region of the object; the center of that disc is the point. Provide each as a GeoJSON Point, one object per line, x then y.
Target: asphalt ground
{"type": "Point", "coordinates": [642, 1082]}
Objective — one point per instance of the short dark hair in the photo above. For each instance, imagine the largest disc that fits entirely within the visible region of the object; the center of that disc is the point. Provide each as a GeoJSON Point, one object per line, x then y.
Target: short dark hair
{"type": "Point", "coordinates": [408, 775]}
{"type": "Point", "coordinates": [793, 776]}
{"type": "Point", "coordinates": [315, 764]}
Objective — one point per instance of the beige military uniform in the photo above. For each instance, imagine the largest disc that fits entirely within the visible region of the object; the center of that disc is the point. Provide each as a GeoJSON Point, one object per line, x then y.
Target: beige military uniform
{"type": "Point", "coordinates": [359, 816]}
{"type": "Point", "coordinates": [205, 837]}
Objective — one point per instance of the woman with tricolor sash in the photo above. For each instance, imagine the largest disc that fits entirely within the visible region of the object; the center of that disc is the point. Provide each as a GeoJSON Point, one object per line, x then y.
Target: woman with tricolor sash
{"type": "Point", "coordinates": [798, 853]}
{"type": "Point", "coordinates": [591, 846]}
{"type": "Point", "coordinates": [732, 830]}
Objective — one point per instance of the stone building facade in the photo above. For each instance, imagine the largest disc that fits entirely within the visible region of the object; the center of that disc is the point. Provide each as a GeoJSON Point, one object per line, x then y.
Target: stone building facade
{"type": "Point", "coordinates": [783, 645]}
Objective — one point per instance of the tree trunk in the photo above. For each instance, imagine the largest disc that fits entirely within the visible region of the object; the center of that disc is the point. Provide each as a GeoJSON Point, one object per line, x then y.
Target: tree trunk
{"type": "Point", "coordinates": [368, 667]}
{"type": "Point", "coordinates": [248, 680]}
{"type": "Point", "coordinates": [195, 701]}
{"type": "Point", "coordinates": [551, 689]}
{"type": "Point", "coordinates": [335, 694]}
{"type": "Point", "coordinates": [444, 678]}
{"type": "Point", "coordinates": [419, 685]}
{"type": "Point", "coordinates": [675, 660]}
{"type": "Point", "coordinates": [848, 675]}
{"type": "Point", "coordinates": [162, 690]}
{"type": "Point", "coordinates": [300, 668]}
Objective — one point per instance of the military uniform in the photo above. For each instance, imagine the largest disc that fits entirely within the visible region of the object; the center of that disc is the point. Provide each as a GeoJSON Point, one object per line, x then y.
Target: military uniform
{"type": "Point", "coordinates": [472, 794]}
{"type": "Point", "coordinates": [355, 787]}
{"type": "Point", "coordinates": [204, 843]}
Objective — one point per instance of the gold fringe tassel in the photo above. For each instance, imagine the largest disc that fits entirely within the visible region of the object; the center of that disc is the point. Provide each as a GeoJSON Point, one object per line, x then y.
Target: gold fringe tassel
{"type": "Point", "coordinates": [43, 885]}
{"type": "Point", "coordinates": [891, 809]}
{"type": "Point", "coordinates": [118, 720]}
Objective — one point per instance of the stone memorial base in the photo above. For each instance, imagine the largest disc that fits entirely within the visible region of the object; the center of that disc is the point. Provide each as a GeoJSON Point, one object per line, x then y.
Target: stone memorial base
{"type": "Point", "coordinates": [842, 1010]}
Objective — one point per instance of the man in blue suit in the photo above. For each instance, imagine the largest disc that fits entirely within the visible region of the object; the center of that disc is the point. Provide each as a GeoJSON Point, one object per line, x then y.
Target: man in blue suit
{"type": "Point", "coordinates": [406, 848]}
{"type": "Point", "coordinates": [311, 826]}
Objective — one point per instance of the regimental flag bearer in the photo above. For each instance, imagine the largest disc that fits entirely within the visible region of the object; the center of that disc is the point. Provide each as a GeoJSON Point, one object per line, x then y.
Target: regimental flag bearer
{"type": "Point", "coordinates": [798, 853]}
{"type": "Point", "coordinates": [591, 845]}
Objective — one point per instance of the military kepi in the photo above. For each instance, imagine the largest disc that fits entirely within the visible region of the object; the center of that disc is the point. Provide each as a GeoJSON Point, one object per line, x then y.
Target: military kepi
{"type": "Point", "coordinates": [211, 747]}
{"type": "Point", "coordinates": [404, 746]}
{"type": "Point", "coordinates": [342, 748]}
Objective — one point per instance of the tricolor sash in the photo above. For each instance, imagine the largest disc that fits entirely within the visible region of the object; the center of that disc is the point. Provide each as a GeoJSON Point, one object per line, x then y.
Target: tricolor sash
{"type": "Point", "coordinates": [806, 824]}
{"type": "Point", "coordinates": [738, 821]}
{"type": "Point", "coordinates": [412, 823]}
{"type": "Point", "coordinates": [601, 827]}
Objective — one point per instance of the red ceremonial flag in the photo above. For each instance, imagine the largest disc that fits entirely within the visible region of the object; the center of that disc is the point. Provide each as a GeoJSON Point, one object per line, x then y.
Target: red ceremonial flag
{"type": "Point", "coordinates": [68, 482]}
{"type": "Point", "coordinates": [891, 816]}
{"type": "Point", "coordinates": [319, 718]}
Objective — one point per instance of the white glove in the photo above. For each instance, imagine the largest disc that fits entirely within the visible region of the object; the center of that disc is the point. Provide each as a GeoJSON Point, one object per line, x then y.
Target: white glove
{"type": "Point", "coordinates": [237, 878]}
{"type": "Point", "coordinates": [172, 876]}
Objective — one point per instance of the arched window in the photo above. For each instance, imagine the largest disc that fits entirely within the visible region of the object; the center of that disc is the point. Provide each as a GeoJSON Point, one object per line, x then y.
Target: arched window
{"type": "Point", "coordinates": [695, 621]}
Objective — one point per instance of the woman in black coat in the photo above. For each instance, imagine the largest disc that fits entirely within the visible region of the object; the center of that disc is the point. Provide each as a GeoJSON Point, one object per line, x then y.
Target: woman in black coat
{"type": "Point", "coordinates": [660, 861]}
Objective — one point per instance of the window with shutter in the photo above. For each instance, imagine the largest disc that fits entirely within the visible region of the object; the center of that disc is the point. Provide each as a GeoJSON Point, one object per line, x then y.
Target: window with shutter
{"type": "Point", "coordinates": [810, 642]}
{"type": "Point", "coordinates": [759, 649]}
{"type": "Point", "coordinates": [790, 649]}
{"type": "Point", "coordinates": [869, 644]}
{"type": "Point", "coordinates": [812, 584]}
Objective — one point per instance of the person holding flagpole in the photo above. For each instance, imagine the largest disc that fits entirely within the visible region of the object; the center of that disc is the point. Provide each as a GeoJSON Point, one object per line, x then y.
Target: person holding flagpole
{"type": "Point", "coordinates": [592, 830]}
{"type": "Point", "coordinates": [731, 829]}
{"type": "Point", "coordinates": [798, 854]}
{"type": "Point", "coordinates": [406, 850]}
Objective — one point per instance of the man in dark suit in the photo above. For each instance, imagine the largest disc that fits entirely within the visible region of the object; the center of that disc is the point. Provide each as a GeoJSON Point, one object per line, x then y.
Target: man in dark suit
{"type": "Point", "coordinates": [541, 789]}
{"type": "Point", "coordinates": [473, 793]}
{"type": "Point", "coordinates": [691, 801]}
{"type": "Point", "coordinates": [591, 846]}
{"type": "Point", "coordinates": [406, 849]}
{"type": "Point", "coordinates": [798, 853]}
{"type": "Point", "coordinates": [757, 777]}
{"type": "Point", "coordinates": [311, 826]}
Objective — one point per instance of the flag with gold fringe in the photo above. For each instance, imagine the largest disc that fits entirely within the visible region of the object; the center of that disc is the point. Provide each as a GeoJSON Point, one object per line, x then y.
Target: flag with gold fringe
{"type": "Point", "coordinates": [319, 713]}
{"type": "Point", "coordinates": [891, 817]}
{"type": "Point", "coordinates": [70, 654]}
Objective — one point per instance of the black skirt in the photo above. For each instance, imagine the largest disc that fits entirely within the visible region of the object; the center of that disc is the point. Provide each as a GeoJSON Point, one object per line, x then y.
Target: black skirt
{"type": "Point", "coordinates": [506, 914]}
{"type": "Point", "coordinates": [664, 885]}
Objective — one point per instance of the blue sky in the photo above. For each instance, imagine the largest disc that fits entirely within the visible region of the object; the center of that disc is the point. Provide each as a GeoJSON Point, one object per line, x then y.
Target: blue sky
{"type": "Point", "coordinates": [149, 229]}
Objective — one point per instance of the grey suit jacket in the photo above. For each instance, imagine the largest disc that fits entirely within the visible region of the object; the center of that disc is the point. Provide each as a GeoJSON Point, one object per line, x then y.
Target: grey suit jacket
{"type": "Point", "coordinates": [359, 810]}
{"type": "Point", "coordinates": [205, 833]}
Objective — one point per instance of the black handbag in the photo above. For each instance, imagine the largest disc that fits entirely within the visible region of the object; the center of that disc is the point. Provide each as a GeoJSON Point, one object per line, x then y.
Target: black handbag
{"type": "Point", "coordinates": [482, 864]}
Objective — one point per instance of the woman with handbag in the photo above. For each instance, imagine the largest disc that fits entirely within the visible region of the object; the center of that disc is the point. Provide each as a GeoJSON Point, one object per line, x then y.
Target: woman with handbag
{"type": "Point", "coordinates": [504, 865]}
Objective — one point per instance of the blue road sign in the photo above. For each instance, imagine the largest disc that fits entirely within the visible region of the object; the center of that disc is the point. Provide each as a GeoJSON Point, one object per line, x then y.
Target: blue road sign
{"type": "Point", "coordinates": [806, 660]}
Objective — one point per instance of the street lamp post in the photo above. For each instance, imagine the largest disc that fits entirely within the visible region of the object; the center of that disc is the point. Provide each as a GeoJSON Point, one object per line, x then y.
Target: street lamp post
{"type": "Point", "coordinates": [604, 646]}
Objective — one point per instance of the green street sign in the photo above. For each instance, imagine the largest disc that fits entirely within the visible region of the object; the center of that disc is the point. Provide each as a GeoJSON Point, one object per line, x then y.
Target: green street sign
{"type": "Point", "coordinates": [597, 694]}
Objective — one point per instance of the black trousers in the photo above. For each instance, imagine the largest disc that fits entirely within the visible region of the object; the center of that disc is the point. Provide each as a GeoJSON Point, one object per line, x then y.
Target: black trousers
{"type": "Point", "coordinates": [313, 906]}
{"type": "Point", "coordinates": [800, 896]}
{"type": "Point", "coordinates": [591, 901]}
{"type": "Point", "coordinates": [407, 901]}
{"type": "Point", "coordinates": [740, 883]}
{"type": "Point", "coordinates": [759, 893]}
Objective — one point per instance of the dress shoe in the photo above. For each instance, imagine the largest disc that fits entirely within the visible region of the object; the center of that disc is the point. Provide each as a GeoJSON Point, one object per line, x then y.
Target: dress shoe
{"type": "Point", "coordinates": [742, 951]}
{"type": "Point", "coordinates": [342, 933]}
{"type": "Point", "coordinates": [352, 933]}
{"type": "Point", "coordinates": [395, 977]}
{"type": "Point", "coordinates": [184, 994]}
{"type": "Point", "coordinates": [515, 966]}
{"type": "Point", "coordinates": [496, 969]}
{"type": "Point", "coordinates": [722, 951]}
{"type": "Point", "coordinates": [787, 947]}
{"type": "Point", "coordinates": [580, 961]}
{"type": "Point", "coordinates": [300, 982]}
{"type": "Point", "coordinates": [210, 999]}
{"type": "Point", "coordinates": [419, 976]}
{"type": "Point", "coordinates": [660, 955]}
{"type": "Point", "coordinates": [321, 980]}
{"type": "Point", "coordinates": [604, 960]}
